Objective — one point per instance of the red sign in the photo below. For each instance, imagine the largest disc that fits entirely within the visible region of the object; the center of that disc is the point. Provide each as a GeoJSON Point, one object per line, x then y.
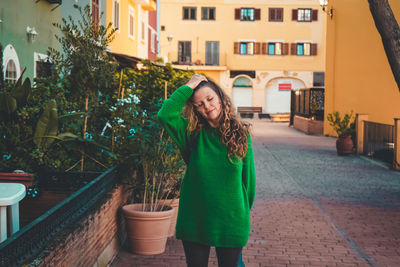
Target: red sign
{"type": "Point", "coordinates": [285, 86]}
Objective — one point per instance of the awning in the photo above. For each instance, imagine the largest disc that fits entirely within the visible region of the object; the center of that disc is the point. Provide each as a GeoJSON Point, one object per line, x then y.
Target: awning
{"type": "Point", "coordinates": [126, 61]}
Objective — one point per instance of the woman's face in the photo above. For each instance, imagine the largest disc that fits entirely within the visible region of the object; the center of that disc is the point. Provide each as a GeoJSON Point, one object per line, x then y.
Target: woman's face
{"type": "Point", "coordinates": [208, 104]}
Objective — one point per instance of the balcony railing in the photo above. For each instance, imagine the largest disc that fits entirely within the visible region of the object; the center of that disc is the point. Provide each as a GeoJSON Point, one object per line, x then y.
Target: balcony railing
{"type": "Point", "coordinates": [379, 140]}
{"type": "Point", "coordinates": [32, 238]}
{"type": "Point", "coordinates": [198, 59]}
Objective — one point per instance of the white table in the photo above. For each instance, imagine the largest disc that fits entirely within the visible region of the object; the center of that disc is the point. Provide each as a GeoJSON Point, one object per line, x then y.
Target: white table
{"type": "Point", "coordinates": [10, 195]}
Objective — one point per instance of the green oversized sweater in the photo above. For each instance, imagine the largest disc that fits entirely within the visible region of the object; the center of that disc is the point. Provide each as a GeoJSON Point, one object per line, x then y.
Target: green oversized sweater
{"type": "Point", "coordinates": [216, 195]}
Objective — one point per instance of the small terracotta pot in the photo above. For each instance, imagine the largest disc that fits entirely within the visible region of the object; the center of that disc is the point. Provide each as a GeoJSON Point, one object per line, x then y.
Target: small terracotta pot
{"type": "Point", "coordinates": [17, 177]}
{"type": "Point", "coordinates": [175, 204]}
{"type": "Point", "coordinates": [344, 145]}
{"type": "Point", "coordinates": [147, 231]}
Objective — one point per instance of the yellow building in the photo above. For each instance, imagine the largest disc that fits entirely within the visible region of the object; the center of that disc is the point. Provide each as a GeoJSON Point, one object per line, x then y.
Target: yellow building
{"type": "Point", "coordinates": [256, 51]}
{"type": "Point", "coordinates": [358, 75]}
{"type": "Point", "coordinates": [131, 19]}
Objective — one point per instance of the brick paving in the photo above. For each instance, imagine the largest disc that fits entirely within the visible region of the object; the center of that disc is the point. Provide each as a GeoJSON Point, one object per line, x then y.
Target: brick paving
{"type": "Point", "coordinates": [313, 208]}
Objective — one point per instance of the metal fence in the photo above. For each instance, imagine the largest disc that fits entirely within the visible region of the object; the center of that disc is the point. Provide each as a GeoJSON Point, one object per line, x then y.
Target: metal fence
{"type": "Point", "coordinates": [307, 103]}
{"type": "Point", "coordinates": [32, 238]}
{"type": "Point", "coordinates": [379, 141]}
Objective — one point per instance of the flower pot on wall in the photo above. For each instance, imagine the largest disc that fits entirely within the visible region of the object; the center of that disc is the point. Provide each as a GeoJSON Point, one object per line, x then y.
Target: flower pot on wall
{"type": "Point", "coordinates": [17, 177]}
{"type": "Point", "coordinates": [175, 204]}
{"type": "Point", "coordinates": [344, 145]}
{"type": "Point", "coordinates": [147, 230]}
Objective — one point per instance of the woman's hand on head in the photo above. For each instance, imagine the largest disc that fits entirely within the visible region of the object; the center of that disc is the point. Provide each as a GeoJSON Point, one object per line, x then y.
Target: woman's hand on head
{"type": "Point", "coordinates": [196, 80]}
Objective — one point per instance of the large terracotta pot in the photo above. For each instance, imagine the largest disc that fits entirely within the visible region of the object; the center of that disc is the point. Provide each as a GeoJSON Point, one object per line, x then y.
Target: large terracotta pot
{"type": "Point", "coordinates": [175, 204]}
{"type": "Point", "coordinates": [147, 231]}
{"type": "Point", "coordinates": [344, 145]}
{"type": "Point", "coordinates": [17, 177]}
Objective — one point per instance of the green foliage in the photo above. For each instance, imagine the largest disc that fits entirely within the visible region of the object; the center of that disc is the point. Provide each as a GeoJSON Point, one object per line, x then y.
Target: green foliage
{"type": "Point", "coordinates": [343, 127]}
{"type": "Point", "coordinates": [52, 128]}
{"type": "Point", "coordinates": [140, 139]}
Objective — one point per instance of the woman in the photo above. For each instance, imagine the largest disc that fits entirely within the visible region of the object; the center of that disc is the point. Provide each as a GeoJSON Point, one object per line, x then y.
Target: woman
{"type": "Point", "coordinates": [218, 189]}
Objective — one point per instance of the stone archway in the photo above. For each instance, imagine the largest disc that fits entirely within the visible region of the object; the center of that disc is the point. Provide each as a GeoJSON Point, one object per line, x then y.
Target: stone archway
{"type": "Point", "coordinates": [277, 94]}
{"type": "Point", "coordinates": [242, 92]}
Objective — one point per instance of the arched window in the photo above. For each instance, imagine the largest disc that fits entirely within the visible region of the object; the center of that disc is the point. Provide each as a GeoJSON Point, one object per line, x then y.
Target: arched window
{"type": "Point", "coordinates": [242, 82]}
{"type": "Point", "coordinates": [11, 72]}
{"type": "Point", "coordinates": [242, 93]}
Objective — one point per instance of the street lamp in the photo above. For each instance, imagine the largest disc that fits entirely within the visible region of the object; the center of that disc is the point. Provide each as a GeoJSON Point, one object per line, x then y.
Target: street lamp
{"type": "Point", "coordinates": [31, 33]}
{"type": "Point", "coordinates": [170, 37]}
{"type": "Point", "coordinates": [324, 6]}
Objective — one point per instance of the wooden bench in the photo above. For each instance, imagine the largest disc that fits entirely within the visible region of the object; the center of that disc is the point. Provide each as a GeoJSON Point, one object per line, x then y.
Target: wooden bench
{"type": "Point", "coordinates": [248, 112]}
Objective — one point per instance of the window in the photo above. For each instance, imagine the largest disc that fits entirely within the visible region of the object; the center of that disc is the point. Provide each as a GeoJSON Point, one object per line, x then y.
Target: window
{"type": "Point", "coordinates": [247, 14]}
{"type": "Point", "coordinates": [189, 13]}
{"type": "Point", "coordinates": [116, 14]}
{"type": "Point", "coordinates": [274, 48]}
{"type": "Point", "coordinates": [95, 13]}
{"type": "Point", "coordinates": [242, 82]}
{"type": "Point", "coordinates": [131, 22]}
{"type": "Point", "coordinates": [212, 53]}
{"type": "Point", "coordinates": [305, 14]}
{"type": "Point", "coordinates": [43, 68]}
{"type": "Point", "coordinates": [143, 31]}
{"type": "Point", "coordinates": [208, 13]}
{"type": "Point", "coordinates": [185, 51]}
{"type": "Point", "coordinates": [275, 14]}
{"type": "Point", "coordinates": [163, 27]}
{"type": "Point", "coordinates": [304, 49]}
{"type": "Point", "coordinates": [153, 41]}
{"type": "Point", "coordinates": [11, 72]}
{"type": "Point", "coordinates": [319, 79]}
{"type": "Point", "coordinates": [247, 48]}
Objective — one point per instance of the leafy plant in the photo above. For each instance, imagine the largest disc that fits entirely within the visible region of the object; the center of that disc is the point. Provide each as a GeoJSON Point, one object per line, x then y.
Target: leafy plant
{"type": "Point", "coordinates": [143, 146]}
{"type": "Point", "coordinates": [342, 126]}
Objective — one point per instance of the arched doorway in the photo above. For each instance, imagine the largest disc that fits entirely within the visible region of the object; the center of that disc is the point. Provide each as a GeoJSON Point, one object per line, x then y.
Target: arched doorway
{"type": "Point", "coordinates": [242, 93]}
{"type": "Point", "coordinates": [277, 94]}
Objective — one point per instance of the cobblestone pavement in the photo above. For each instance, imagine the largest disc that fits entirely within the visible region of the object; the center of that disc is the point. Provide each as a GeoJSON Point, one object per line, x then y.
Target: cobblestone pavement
{"type": "Point", "coordinates": [313, 208]}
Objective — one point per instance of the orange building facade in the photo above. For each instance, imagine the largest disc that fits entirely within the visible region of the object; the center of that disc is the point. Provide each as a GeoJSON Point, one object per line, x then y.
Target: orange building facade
{"type": "Point", "coordinates": [358, 75]}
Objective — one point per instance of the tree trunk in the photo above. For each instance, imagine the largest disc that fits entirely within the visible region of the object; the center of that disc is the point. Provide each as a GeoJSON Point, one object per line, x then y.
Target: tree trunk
{"type": "Point", "coordinates": [389, 30]}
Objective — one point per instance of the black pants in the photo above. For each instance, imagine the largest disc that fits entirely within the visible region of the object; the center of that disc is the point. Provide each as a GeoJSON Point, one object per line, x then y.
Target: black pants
{"type": "Point", "coordinates": [197, 255]}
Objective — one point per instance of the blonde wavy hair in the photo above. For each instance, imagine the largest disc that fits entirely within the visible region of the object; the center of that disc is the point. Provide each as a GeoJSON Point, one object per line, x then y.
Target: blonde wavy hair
{"type": "Point", "coordinates": [233, 131]}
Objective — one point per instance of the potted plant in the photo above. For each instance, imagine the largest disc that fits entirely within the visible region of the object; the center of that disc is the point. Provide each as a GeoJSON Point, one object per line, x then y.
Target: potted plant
{"type": "Point", "coordinates": [148, 159]}
{"type": "Point", "coordinates": [344, 128]}
{"type": "Point", "coordinates": [148, 222]}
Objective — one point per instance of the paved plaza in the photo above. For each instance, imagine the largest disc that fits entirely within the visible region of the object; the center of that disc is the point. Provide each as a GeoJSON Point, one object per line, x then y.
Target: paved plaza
{"type": "Point", "coordinates": [312, 208]}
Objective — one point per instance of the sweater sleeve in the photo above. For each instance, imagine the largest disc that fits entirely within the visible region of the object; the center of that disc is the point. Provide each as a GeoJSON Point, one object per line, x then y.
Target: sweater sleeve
{"type": "Point", "coordinates": [169, 116]}
{"type": "Point", "coordinates": [249, 174]}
